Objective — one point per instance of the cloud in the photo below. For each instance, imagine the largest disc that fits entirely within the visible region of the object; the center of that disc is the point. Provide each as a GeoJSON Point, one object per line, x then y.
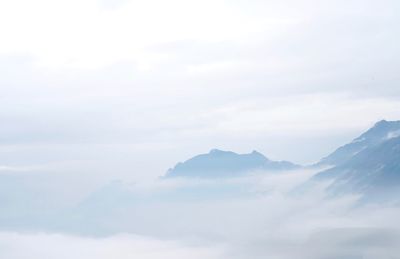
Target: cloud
{"type": "Point", "coordinates": [97, 90]}
{"type": "Point", "coordinates": [311, 113]}
{"type": "Point", "coordinates": [179, 77]}
{"type": "Point", "coordinates": [339, 243]}
{"type": "Point", "coordinates": [118, 34]}
{"type": "Point", "coordinates": [42, 245]}
{"type": "Point", "coordinates": [268, 221]}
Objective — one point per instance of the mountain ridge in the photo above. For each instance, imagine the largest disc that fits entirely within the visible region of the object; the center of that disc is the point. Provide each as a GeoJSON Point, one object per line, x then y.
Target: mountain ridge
{"type": "Point", "coordinates": [379, 133]}
{"type": "Point", "coordinates": [374, 171]}
{"type": "Point", "coordinates": [220, 163]}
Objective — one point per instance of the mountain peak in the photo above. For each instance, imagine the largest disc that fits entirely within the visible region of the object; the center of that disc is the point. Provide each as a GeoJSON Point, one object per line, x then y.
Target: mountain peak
{"type": "Point", "coordinates": [219, 151]}
{"type": "Point", "coordinates": [219, 163]}
{"type": "Point", "coordinates": [255, 153]}
{"type": "Point", "coordinates": [379, 133]}
{"type": "Point", "coordinates": [386, 124]}
{"type": "Point", "coordinates": [215, 151]}
{"type": "Point", "coordinates": [381, 122]}
{"type": "Point", "coordinates": [380, 130]}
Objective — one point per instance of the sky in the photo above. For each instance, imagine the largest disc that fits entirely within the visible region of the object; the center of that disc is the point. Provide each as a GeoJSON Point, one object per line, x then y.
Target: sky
{"type": "Point", "coordinates": [126, 89]}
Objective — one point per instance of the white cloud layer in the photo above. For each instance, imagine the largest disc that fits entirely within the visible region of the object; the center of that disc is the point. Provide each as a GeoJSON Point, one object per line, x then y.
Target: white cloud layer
{"type": "Point", "coordinates": [179, 219]}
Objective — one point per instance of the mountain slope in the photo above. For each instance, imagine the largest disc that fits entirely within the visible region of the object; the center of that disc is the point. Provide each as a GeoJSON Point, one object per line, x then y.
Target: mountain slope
{"type": "Point", "coordinates": [218, 163]}
{"type": "Point", "coordinates": [373, 172]}
{"type": "Point", "coordinates": [379, 133]}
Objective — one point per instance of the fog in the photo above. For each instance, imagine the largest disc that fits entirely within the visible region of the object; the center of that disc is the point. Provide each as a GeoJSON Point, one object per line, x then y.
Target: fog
{"type": "Point", "coordinates": [98, 98]}
{"type": "Point", "coordinates": [257, 216]}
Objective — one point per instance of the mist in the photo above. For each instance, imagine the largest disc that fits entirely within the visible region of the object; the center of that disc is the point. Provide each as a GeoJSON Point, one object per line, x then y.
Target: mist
{"type": "Point", "coordinates": [257, 216]}
{"type": "Point", "coordinates": [101, 99]}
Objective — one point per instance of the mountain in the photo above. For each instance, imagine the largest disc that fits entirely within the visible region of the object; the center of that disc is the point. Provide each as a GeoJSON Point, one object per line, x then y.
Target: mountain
{"type": "Point", "coordinates": [219, 163]}
{"type": "Point", "coordinates": [374, 170]}
{"type": "Point", "coordinates": [379, 133]}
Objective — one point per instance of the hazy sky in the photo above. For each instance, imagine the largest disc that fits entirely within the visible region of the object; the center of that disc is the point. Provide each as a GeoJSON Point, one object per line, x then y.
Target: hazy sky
{"type": "Point", "coordinates": [129, 88]}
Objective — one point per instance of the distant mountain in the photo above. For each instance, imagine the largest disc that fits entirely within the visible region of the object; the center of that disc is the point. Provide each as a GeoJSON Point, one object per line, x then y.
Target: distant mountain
{"type": "Point", "coordinates": [374, 170]}
{"type": "Point", "coordinates": [379, 133]}
{"type": "Point", "coordinates": [219, 163]}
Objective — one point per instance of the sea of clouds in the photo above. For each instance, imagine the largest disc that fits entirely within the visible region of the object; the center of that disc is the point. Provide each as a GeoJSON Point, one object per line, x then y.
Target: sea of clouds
{"type": "Point", "coordinates": [263, 215]}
